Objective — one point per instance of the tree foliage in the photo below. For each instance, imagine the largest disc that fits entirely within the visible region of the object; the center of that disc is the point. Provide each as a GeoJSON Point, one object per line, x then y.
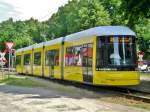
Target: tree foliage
{"type": "Point", "coordinates": [23, 33]}
{"type": "Point", "coordinates": [144, 46]}
{"type": "Point", "coordinates": [79, 15]}
{"type": "Point", "coordinates": [135, 9]}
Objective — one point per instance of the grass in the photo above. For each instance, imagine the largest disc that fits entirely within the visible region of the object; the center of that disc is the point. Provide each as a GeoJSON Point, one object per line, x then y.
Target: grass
{"type": "Point", "coordinates": [27, 81]}
{"type": "Point", "coordinates": [21, 81]}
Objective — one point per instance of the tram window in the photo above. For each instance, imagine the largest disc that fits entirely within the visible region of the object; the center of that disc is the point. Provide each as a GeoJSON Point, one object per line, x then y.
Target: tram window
{"type": "Point", "coordinates": [52, 58]}
{"type": "Point", "coordinates": [18, 60]}
{"type": "Point", "coordinates": [73, 56]}
{"type": "Point", "coordinates": [37, 58]}
{"type": "Point", "coordinates": [27, 59]}
{"type": "Point", "coordinates": [90, 54]}
{"type": "Point", "coordinates": [87, 54]}
{"type": "Point", "coordinates": [84, 53]}
{"type": "Point", "coordinates": [115, 51]}
{"type": "Point", "coordinates": [102, 53]}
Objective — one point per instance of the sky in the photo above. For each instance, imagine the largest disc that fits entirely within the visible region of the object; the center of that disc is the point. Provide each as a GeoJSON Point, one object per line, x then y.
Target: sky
{"type": "Point", "coordinates": [25, 9]}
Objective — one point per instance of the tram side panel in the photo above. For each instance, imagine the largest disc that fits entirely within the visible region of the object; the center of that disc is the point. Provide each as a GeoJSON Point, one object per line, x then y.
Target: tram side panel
{"type": "Point", "coordinates": [27, 62]}
{"type": "Point", "coordinates": [19, 62]}
{"type": "Point", "coordinates": [52, 61]}
{"type": "Point", "coordinates": [37, 61]}
{"type": "Point", "coordinates": [46, 62]}
{"type": "Point", "coordinates": [77, 53]}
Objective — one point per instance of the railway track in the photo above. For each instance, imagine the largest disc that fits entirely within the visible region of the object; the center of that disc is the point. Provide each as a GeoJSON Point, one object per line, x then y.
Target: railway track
{"type": "Point", "coordinates": [128, 93]}
{"type": "Point", "coordinates": [125, 92]}
{"type": "Point", "coordinates": [142, 97]}
{"type": "Point", "coordinates": [133, 94]}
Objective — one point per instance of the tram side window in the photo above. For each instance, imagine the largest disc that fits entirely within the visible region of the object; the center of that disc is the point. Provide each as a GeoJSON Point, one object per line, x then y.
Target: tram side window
{"type": "Point", "coordinates": [73, 56]}
{"type": "Point", "coordinates": [27, 59]}
{"type": "Point", "coordinates": [87, 54]}
{"type": "Point", "coordinates": [52, 57]}
{"type": "Point", "coordinates": [18, 60]}
{"type": "Point", "coordinates": [37, 58]}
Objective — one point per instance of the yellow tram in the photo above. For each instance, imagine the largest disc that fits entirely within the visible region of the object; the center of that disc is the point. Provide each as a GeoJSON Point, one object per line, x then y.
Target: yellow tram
{"type": "Point", "coordinates": [104, 55]}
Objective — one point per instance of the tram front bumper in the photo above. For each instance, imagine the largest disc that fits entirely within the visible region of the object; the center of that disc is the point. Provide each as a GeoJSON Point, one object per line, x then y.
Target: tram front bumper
{"type": "Point", "coordinates": [116, 78]}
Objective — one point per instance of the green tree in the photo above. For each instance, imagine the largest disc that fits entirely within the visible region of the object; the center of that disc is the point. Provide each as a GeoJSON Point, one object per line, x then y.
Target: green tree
{"type": "Point", "coordinates": [92, 14]}
{"type": "Point", "coordinates": [115, 11]}
{"type": "Point", "coordinates": [79, 15]}
{"type": "Point", "coordinates": [135, 9]}
{"type": "Point", "coordinates": [144, 45]}
{"type": "Point", "coordinates": [76, 16]}
{"type": "Point", "coordinates": [7, 32]}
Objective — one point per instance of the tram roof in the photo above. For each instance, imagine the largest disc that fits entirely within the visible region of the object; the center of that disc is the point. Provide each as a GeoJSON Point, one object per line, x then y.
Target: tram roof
{"type": "Point", "coordinates": [55, 41]}
{"type": "Point", "coordinates": [19, 50]}
{"type": "Point", "coordinates": [101, 31]}
{"type": "Point", "coordinates": [28, 48]}
{"type": "Point", "coordinates": [96, 31]}
{"type": "Point", "coordinates": [38, 45]}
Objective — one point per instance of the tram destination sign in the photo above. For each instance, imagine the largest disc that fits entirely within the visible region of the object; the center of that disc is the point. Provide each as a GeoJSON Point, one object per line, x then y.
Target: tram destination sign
{"type": "Point", "coordinates": [120, 39]}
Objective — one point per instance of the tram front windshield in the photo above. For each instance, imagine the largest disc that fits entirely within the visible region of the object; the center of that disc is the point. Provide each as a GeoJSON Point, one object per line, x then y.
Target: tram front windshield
{"type": "Point", "coordinates": [116, 51]}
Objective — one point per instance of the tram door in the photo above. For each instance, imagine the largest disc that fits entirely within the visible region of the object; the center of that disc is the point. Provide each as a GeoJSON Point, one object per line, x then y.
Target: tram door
{"type": "Point", "coordinates": [87, 61]}
{"type": "Point", "coordinates": [53, 61]}
{"type": "Point", "coordinates": [51, 64]}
